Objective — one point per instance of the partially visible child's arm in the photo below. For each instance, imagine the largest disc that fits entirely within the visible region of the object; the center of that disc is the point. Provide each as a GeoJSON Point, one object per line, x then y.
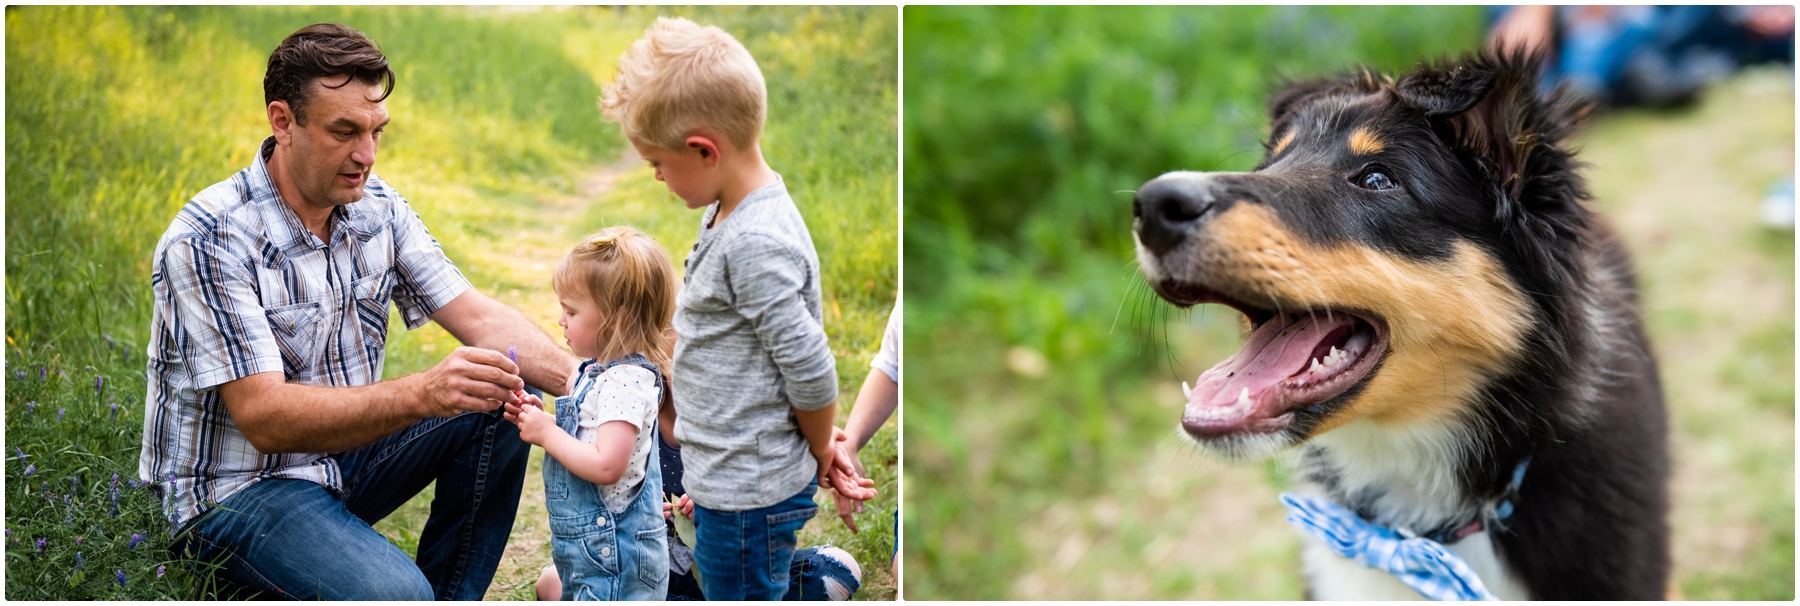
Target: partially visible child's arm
{"type": "Point", "coordinates": [815, 426]}
{"type": "Point", "coordinates": [835, 472]}
{"type": "Point", "coordinates": [602, 462]}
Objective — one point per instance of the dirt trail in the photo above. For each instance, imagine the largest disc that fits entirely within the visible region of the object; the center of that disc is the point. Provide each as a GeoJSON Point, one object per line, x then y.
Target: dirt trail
{"type": "Point", "coordinates": [537, 251]}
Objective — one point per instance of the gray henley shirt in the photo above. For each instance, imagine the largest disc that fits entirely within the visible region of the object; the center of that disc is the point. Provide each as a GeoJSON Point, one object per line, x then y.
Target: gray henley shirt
{"type": "Point", "coordinates": [752, 345]}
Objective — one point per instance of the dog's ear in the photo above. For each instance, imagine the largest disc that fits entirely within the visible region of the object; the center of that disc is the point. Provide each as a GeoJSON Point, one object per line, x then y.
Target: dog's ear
{"type": "Point", "coordinates": [1446, 92]}
{"type": "Point", "coordinates": [1488, 108]}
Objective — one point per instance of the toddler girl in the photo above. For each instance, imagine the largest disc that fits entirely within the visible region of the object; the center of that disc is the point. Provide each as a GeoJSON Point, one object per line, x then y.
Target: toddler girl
{"type": "Point", "coordinates": [602, 481]}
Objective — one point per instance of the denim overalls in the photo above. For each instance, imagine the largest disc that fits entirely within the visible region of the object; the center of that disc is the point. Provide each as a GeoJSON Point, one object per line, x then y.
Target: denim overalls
{"type": "Point", "coordinates": [601, 555]}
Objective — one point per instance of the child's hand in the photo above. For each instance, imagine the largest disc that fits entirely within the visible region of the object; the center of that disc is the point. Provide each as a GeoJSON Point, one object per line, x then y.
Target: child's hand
{"type": "Point", "coordinates": [847, 507]}
{"type": "Point", "coordinates": [838, 473]}
{"type": "Point", "coordinates": [535, 425]}
{"type": "Point", "coordinates": [686, 504]}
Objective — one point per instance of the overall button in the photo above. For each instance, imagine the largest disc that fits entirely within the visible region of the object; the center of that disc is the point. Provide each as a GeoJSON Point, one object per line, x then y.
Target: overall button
{"type": "Point", "coordinates": [601, 522]}
{"type": "Point", "coordinates": [606, 552]}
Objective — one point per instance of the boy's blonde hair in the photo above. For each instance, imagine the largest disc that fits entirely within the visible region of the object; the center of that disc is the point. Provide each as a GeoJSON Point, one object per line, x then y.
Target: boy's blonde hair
{"type": "Point", "coordinates": [626, 274]}
{"type": "Point", "coordinates": [680, 77]}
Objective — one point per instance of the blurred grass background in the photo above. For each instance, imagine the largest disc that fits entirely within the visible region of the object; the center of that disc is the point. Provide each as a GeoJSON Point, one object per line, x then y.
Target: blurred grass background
{"type": "Point", "coordinates": [1043, 459]}
{"type": "Point", "coordinates": [115, 117]}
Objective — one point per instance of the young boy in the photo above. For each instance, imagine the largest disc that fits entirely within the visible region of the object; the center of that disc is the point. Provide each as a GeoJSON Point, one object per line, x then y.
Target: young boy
{"type": "Point", "coordinates": [754, 382]}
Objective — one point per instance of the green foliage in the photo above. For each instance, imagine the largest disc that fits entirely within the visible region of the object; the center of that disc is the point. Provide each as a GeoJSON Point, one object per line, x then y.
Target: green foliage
{"type": "Point", "coordinates": [117, 116]}
{"type": "Point", "coordinates": [79, 453]}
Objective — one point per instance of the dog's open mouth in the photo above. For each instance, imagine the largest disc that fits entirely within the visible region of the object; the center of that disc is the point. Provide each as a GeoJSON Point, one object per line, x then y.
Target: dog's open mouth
{"type": "Point", "coordinates": [1292, 360]}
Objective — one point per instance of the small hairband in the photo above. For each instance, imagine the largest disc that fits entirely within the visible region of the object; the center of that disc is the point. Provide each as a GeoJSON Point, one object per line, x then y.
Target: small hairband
{"type": "Point", "coordinates": [602, 240]}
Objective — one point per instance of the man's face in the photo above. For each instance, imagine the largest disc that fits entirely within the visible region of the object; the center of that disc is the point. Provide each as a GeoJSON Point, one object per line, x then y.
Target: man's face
{"type": "Point", "coordinates": [330, 157]}
{"type": "Point", "coordinates": [684, 170]}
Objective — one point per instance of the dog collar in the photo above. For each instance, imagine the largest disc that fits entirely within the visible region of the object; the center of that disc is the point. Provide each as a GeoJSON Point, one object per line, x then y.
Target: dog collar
{"type": "Point", "coordinates": [1421, 562]}
{"type": "Point", "coordinates": [1503, 509]}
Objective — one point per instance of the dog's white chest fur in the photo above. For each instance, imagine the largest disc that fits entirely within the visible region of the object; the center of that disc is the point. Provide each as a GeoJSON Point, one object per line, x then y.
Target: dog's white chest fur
{"type": "Point", "coordinates": [1412, 470]}
{"type": "Point", "coordinates": [1334, 577]}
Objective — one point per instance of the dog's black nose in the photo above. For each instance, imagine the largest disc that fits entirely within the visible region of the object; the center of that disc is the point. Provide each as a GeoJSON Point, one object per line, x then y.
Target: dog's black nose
{"type": "Point", "coordinates": [1168, 207]}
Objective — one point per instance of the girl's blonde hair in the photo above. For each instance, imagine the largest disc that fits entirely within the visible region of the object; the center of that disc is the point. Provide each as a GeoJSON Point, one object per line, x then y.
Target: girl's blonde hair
{"type": "Point", "coordinates": [626, 274]}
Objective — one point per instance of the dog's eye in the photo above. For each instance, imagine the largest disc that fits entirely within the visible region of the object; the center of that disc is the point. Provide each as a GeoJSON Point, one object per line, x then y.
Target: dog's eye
{"type": "Point", "coordinates": [1376, 180]}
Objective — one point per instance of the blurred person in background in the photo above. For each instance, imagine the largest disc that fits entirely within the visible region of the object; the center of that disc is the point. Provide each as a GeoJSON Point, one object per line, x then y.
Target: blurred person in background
{"type": "Point", "coordinates": [1656, 56]}
{"type": "Point", "coordinates": [1645, 55]}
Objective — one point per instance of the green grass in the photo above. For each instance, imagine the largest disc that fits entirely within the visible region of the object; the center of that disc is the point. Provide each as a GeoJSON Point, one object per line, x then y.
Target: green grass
{"type": "Point", "coordinates": [117, 116]}
{"type": "Point", "coordinates": [1043, 459]}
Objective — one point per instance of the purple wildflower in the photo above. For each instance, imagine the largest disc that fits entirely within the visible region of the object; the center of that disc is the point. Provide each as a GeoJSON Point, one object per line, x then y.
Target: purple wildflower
{"type": "Point", "coordinates": [43, 373]}
{"type": "Point", "coordinates": [99, 382]}
{"type": "Point", "coordinates": [40, 545]}
{"type": "Point", "coordinates": [74, 485]}
{"type": "Point", "coordinates": [135, 539]}
{"type": "Point", "coordinates": [21, 452]}
{"type": "Point", "coordinates": [9, 532]}
{"type": "Point", "coordinates": [159, 572]}
{"type": "Point", "coordinates": [59, 413]}
{"type": "Point", "coordinates": [120, 575]}
{"type": "Point", "coordinates": [115, 410]}
{"type": "Point", "coordinates": [29, 469]}
{"type": "Point", "coordinates": [132, 482]}
{"type": "Point", "coordinates": [77, 540]}
{"type": "Point", "coordinates": [512, 353]}
{"type": "Point", "coordinates": [78, 563]}
{"type": "Point", "coordinates": [109, 342]}
{"type": "Point", "coordinates": [31, 407]}
{"type": "Point", "coordinates": [20, 375]}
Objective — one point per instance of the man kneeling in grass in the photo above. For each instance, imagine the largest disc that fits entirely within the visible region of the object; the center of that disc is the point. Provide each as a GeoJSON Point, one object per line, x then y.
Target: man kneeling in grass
{"type": "Point", "coordinates": [271, 441]}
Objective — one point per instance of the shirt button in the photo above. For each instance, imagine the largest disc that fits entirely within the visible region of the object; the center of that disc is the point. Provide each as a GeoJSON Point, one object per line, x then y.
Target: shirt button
{"type": "Point", "coordinates": [606, 552]}
{"type": "Point", "coordinates": [600, 522]}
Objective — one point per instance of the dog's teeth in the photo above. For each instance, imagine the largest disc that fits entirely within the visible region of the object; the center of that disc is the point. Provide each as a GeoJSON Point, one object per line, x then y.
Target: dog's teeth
{"type": "Point", "coordinates": [1185, 392]}
{"type": "Point", "coordinates": [1244, 397]}
{"type": "Point", "coordinates": [1316, 367]}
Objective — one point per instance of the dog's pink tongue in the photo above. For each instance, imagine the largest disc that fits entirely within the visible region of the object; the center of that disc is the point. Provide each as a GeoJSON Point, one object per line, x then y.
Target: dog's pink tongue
{"type": "Point", "coordinates": [1245, 383]}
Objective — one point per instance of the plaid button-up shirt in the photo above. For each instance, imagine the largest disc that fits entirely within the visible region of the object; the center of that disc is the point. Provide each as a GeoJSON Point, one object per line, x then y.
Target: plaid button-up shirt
{"type": "Point", "coordinates": [242, 287]}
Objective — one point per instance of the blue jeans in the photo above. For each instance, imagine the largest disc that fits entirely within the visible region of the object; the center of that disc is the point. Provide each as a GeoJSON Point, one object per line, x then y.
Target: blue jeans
{"type": "Point", "coordinates": [295, 539]}
{"type": "Point", "coordinates": [745, 555]}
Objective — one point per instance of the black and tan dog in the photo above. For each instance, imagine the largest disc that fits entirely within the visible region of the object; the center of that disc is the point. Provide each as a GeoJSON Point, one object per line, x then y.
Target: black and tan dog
{"type": "Point", "coordinates": [1431, 307]}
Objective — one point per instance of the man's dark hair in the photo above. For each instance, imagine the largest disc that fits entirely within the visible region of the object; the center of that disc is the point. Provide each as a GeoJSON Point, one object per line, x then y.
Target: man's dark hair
{"type": "Point", "coordinates": [322, 50]}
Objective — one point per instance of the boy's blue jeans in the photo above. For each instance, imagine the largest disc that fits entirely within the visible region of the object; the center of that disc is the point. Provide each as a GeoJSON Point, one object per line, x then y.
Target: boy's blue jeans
{"type": "Point", "coordinates": [295, 539]}
{"type": "Point", "coordinates": [745, 555]}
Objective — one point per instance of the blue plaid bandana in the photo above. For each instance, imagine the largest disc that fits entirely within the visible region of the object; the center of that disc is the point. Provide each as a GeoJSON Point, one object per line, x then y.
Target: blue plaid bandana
{"type": "Point", "coordinates": [1421, 563]}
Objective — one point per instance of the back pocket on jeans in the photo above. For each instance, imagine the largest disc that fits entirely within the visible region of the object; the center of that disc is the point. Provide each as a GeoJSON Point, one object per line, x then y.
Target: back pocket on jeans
{"type": "Point", "coordinates": [783, 530]}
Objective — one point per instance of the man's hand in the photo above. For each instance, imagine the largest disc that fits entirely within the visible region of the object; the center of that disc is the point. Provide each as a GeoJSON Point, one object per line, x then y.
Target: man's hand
{"type": "Point", "coordinates": [535, 425]}
{"type": "Point", "coordinates": [471, 379]}
{"type": "Point", "coordinates": [479, 321]}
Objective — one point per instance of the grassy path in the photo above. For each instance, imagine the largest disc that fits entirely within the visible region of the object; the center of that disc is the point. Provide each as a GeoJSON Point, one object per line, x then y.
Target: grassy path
{"type": "Point", "coordinates": [116, 116]}
{"type": "Point", "coordinates": [540, 233]}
